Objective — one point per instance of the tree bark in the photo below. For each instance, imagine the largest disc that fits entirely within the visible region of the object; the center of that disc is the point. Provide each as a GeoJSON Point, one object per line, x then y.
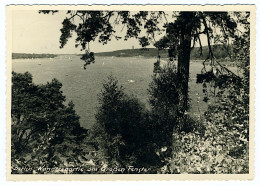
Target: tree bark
{"type": "Point", "coordinates": [184, 61]}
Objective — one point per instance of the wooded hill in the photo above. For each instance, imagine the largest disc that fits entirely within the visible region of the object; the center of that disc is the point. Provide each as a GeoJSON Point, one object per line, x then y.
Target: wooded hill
{"type": "Point", "coordinates": [220, 52]}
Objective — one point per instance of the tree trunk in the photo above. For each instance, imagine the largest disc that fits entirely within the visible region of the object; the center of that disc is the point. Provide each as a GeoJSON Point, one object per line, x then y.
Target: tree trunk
{"type": "Point", "coordinates": [183, 71]}
{"type": "Point", "coordinates": [184, 61]}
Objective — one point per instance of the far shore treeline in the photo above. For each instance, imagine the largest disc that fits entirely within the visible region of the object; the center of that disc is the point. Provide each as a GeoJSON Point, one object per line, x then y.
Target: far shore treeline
{"type": "Point", "coordinates": [221, 52]}
{"type": "Point", "coordinates": [31, 56]}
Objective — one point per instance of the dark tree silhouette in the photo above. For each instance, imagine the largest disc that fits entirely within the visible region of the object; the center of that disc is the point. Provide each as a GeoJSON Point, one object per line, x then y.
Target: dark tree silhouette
{"type": "Point", "coordinates": [43, 127]}
{"type": "Point", "coordinates": [181, 34]}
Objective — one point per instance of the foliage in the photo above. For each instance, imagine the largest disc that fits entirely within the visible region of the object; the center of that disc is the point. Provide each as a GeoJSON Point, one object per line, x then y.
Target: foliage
{"type": "Point", "coordinates": [88, 57]}
{"type": "Point", "coordinates": [144, 42]}
{"type": "Point", "coordinates": [164, 99]}
{"type": "Point", "coordinates": [220, 52]}
{"type": "Point", "coordinates": [224, 146]}
{"type": "Point", "coordinates": [233, 98]}
{"type": "Point", "coordinates": [43, 128]}
{"type": "Point", "coordinates": [211, 153]}
{"type": "Point", "coordinates": [123, 131]}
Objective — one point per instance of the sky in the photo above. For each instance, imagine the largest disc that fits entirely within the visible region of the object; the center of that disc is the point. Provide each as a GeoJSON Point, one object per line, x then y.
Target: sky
{"type": "Point", "coordinates": [39, 33]}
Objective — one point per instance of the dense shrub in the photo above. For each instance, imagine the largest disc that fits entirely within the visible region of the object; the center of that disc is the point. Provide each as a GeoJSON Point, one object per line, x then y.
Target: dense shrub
{"type": "Point", "coordinates": [211, 153]}
{"type": "Point", "coordinates": [44, 130]}
{"type": "Point", "coordinates": [123, 131]}
{"type": "Point", "coordinates": [164, 99]}
{"type": "Point", "coordinates": [224, 147]}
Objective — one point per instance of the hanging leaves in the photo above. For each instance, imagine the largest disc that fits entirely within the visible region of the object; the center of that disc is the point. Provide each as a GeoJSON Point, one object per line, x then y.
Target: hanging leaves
{"type": "Point", "coordinates": [144, 42]}
{"type": "Point", "coordinates": [66, 32]}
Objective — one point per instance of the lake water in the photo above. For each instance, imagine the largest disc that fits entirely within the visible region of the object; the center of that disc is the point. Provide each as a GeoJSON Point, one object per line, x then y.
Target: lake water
{"type": "Point", "coordinates": [82, 86]}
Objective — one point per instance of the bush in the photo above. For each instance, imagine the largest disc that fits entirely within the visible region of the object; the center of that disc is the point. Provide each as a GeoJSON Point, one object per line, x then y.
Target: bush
{"type": "Point", "coordinates": [123, 131]}
{"type": "Point", "coordinates": [224, 147]}
{"type": "Point", "coordinates": [164, 101]}
{"type": "Point", "coordinates": [44, 130]}
{"type": "Point", "coordinates": [211, 153]}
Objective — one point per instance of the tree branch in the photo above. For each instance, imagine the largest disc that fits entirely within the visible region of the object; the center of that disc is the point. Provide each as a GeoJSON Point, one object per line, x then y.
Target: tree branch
{"type": "Point", "coordinates": [211, 55]}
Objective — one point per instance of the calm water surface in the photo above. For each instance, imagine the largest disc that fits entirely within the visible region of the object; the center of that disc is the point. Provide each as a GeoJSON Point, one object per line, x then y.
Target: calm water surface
{"type": "Point", "coordinates": [82, 86]}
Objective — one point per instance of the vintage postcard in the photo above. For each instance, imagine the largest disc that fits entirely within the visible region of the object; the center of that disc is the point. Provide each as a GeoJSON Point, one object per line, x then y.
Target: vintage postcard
{"type": "Point", "coordinates": [130, 92]}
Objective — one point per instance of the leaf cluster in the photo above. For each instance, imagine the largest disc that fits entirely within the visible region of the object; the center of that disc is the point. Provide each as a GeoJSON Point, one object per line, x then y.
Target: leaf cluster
{"type": "Point", "coordinates": [44, 129]}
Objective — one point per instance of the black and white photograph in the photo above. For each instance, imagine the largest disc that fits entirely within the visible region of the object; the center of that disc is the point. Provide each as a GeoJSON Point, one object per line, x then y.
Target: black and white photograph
{"type": "Point", "coordinates": [106, 90]}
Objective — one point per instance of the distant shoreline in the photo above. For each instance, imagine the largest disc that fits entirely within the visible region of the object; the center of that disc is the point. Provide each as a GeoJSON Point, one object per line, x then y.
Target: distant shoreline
{"type": "Point", "coordinates": [220, 53]}
{"type": "Point", "coordinates": [32, 56]}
